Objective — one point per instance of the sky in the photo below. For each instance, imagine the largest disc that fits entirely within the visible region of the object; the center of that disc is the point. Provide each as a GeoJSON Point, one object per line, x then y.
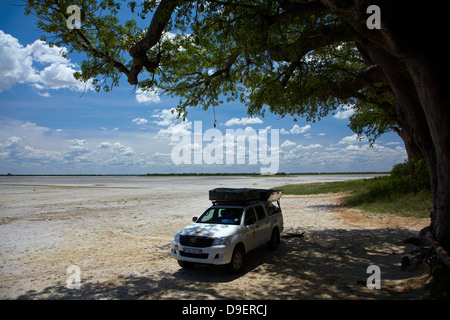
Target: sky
{"type": "Point", "coordinates": [52, 124]}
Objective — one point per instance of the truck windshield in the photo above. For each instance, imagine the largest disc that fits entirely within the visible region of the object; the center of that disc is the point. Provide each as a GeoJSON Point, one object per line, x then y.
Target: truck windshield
{"type": "Point", "coordinates": [219, 215]}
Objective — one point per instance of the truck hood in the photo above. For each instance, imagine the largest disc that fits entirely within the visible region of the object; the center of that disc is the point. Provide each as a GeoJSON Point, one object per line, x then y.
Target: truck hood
{"type": "Point", "coordinates": [208, 230]}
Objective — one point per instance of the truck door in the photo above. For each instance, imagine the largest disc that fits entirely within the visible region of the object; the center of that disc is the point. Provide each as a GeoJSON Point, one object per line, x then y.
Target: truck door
{"type": "Point", "coordinates": [250, 238]}
{"type": "Point", "coordinates": [262, 225]}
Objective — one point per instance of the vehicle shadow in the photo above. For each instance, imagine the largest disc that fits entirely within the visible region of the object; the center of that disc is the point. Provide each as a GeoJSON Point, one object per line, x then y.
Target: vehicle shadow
{"type": "Point", "coordinates": [324, 264]}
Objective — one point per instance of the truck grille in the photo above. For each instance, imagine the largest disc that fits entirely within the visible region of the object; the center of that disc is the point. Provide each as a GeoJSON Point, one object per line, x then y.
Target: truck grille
{"type": "Point", "coordinates": [195, 241]}
{"type": "Point", "coordinates": [194, 255]}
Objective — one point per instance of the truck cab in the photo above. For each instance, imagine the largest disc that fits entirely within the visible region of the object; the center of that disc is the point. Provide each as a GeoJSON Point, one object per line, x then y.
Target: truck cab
{"type": "Point", "coordinates": [239, 221]}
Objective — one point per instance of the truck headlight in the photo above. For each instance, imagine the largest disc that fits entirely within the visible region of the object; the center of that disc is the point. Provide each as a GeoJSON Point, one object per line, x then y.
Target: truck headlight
{"type": "Point", "coordinates": [177, 238]}
{"type": "Point", "coordinates": [222, 241]}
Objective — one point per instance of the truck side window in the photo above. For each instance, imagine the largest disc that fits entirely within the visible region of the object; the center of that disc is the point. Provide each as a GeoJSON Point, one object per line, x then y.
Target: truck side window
{"type": "Point", "coordinates": [260, 212]}
{"type": "Point", "coordinates": [249, 217]}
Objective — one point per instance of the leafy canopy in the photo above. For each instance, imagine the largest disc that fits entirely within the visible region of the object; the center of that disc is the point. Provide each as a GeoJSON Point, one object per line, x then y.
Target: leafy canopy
{"type": "Point", "coordinates": [289, 58]}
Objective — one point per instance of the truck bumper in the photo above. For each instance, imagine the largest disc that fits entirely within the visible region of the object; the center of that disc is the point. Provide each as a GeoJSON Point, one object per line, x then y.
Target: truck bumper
{"type": "Point", "coordinates": [217, 255]}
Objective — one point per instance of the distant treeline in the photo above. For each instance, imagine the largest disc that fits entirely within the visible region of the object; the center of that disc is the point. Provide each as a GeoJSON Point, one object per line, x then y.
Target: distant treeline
{"type": "Point", "coordinates": [187, 174]}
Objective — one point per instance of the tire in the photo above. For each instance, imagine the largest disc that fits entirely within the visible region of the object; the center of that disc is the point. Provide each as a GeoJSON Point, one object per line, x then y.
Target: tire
{"type": "Point", "coordinates": [274, 240]}
{"type": "Point", "coordinates": [237, 260]}
{"type": "Point", "coordinates": [185, 264]}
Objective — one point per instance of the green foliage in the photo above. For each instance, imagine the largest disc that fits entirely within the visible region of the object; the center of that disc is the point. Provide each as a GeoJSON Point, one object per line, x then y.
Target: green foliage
{"type": "Point", "coordinates": [399, 193]}
{"type": "Point", "coordinates": [414, 172]}
{"type": "Point", "coordinates": [222, 51]}
{"type": "Point", "coordinates": [233, 54]}
{"type": "Point", "coordinates": [103, 38]}
{"type": "Point", "coordinates": [371, 121]}
{"type": "Point", "coordinates": [253, 51]}
{"type": "Point", "coordinates": [323, 187]}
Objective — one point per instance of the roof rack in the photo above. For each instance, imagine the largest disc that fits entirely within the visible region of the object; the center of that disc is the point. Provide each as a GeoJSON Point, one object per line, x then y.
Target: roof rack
{"type": "Point", "coordinates": [232, 203]}
{"type": "Point", "coordinates": [243, 195]}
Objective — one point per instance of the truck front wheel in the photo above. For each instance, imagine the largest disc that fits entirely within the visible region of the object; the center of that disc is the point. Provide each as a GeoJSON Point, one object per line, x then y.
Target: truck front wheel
{"type": "Point", "coordinates": [237, 260]}
{"type": "Point", "coordinates": [185, 264]}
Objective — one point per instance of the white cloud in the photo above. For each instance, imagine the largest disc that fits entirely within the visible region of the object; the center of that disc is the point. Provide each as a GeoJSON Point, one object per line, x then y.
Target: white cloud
{"type": "Point", "coordinates": [60, 76]}
{"type": "Point", "coordinates": [295, 129]}
{"type": "Point", "coordinates": [27, 147]}
{"type": "Point", "coordinates": [347, 158]}
{"type": "Point", "coordinates": [16, 149]}
{"type": "Point", "coordinates": [172, 125]}
{"type": "Point", "coordinates": [117, 149]}
{"type": "Point", "coordinates": [288, 144]}
{"type": "Point", "coordinates": [299, 150]}
{"type": "Point", "coordinates": [43, 53]}
{"type": "Point", "coordinates": [178, 129]}
{"type": "Point", "coordinates": [15, 63]}
{"type": "Point", "coordinates": [147, 96]}
{"type": "Point", "coordinates": [104, 145]}
{"type": "Point", "coordinates": [78, 150]}
{"type": "Point", "coordinates": [44, 94]}
{"type": "Point", "coordinates": [352, 139]}
{"type": "Point", "coordinates": [19, 64]}
{"type": "Point", "coordinates": [345, 112]}
{"type": "Point", "coordinates": [140, 121]}
{"type": "Point", "coordinates": [242, 121]}
{"type": "Point", "coordinates": [167, 117]}
{"type": "Point", "coordinates": [109, 131]}
{"type": "Point", "coordinates": [352, 147]}
{"type": "Point", "coordinates": [311, 146]}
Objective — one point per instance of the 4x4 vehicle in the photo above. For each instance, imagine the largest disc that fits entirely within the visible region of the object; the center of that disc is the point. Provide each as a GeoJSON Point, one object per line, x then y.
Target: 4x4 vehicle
{"type": "Point", "coordinates": [239, 221]}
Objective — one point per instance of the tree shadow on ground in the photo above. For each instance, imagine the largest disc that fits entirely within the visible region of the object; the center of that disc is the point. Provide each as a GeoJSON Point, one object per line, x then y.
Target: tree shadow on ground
{"type": "Point", "coordinates": [326, 264]}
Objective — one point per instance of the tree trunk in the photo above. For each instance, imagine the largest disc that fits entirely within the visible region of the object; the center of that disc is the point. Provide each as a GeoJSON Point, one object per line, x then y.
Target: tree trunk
{"type": "Point", "coordinates": [413, 57]}
{"type": "Point", "coordinates": [412, 149]}
{"type": "Point", "coordinates": [434, 98]}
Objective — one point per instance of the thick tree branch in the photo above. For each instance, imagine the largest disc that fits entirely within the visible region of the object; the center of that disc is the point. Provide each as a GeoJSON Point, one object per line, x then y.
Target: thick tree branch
{"type": "Point", "coordinates": [230, 61]}
{"type": "Point", "coordinates": [294, 10]}
{"type": "Point", "coordinates": [350, 87]}
{"type": "Point", "coordinates": [138, 52]}
{"type": "Point", "coordinates": [309, 41]}
{"type": "Point", "coordinates": [87, 46]}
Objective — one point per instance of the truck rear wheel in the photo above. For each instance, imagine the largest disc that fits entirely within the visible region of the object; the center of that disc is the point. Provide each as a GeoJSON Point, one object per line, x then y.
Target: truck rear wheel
{"type": "Point", "coordinates": [274, 240]}
{"type": "Point", "coordinates": [237, 260]}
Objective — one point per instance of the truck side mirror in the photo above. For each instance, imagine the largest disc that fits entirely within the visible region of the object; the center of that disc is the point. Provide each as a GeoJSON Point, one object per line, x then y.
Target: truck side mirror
{"type": "Point", "coordinates": [194, 219]}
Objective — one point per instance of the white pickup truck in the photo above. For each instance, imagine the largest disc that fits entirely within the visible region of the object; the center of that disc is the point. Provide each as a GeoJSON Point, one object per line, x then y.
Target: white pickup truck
{"type": "Point", "coordinates": [239, 221]}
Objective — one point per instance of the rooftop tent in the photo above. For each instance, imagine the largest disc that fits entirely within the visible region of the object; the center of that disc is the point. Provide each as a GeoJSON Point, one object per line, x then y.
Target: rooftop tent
{"type": "Point", "coordinates": [269, 195]}
{"type": "Point", "coordinates": [244, 194]}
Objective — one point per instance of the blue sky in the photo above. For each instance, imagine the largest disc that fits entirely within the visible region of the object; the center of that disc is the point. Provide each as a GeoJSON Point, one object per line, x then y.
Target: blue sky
{"type": "Point", "coordinates": [51, 124]}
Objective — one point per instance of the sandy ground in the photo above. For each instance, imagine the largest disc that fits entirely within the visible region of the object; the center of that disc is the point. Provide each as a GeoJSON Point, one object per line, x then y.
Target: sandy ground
{"type": "Point", "coordinates": [118, 231]}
